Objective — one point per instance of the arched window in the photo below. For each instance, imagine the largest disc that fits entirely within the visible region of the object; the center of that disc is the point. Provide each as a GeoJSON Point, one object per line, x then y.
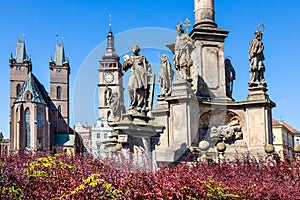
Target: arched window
{"type": "Point", "coordinates": [59, 108]}
{"type": "Point", "coordinates": [39, 138]}
{"type": "Point", "coordinates": [39, 119]}
{"type": "Point", "coordinates": [58, 92]}
{"type": "Point", "coordinates": [27, 128]}
{"type": "Point", "coordinates": [18, 89]}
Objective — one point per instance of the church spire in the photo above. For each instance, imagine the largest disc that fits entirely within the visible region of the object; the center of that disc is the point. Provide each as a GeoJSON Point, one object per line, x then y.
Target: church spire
{"type": "Point", "coordinates": [110, 53]}
{"type": "Point", "coordinates": [60, 58]}
{"type": "Point", "coordinates": [20, 51]}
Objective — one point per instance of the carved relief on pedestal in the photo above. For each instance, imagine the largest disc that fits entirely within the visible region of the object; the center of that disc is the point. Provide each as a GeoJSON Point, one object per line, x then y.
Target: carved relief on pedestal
{"type": "Point", "coordinates": [229, 132]}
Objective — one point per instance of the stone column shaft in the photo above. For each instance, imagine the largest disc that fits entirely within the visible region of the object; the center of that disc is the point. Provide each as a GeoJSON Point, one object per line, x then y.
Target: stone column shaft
{"type": "Point", "coordinates": [204, 13]}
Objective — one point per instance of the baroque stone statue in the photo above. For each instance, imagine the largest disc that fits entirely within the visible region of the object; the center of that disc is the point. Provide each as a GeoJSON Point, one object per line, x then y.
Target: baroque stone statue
{"type": "Point", "coordinates": [182, 48]}
{"type": "Point", "coordinates": [116, 107]}
{"type": "Point", "coordinates": [256, 57]}
{"type": "Point", "coordinates": [107, 96]}
{"type": "Point", "coordinates": [229, 77]}
{"type": "Point", "coordinates": [138, 87]}
{"type": "Point", "coordinates": [165, 76]}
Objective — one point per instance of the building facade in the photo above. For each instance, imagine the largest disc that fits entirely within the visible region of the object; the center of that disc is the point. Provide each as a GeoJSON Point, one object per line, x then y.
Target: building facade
{"type": "Point", "coordinates": [283, 138]}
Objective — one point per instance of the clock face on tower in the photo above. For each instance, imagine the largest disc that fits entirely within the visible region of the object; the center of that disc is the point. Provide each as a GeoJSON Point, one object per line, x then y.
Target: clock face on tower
{"type": "Point", "coordinates": [108, 77]}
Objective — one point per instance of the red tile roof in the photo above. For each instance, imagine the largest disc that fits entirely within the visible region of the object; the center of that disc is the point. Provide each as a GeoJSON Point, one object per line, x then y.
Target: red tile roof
{"type": "Point", "coordinates": [282, 123]}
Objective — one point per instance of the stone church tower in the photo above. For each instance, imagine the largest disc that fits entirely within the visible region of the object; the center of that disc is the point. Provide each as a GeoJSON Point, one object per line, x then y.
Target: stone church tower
{"type": "Point", "coordinates": [110, 87]}
{"type": "Point", "coordinates": [59, 85]}
{"type": "Point", "coordinates": [20, 66]}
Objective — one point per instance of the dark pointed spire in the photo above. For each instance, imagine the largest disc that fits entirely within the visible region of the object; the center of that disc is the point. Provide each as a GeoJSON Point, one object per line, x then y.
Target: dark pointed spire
{"type": "Point", "coordinates": [59, 53]}
{"type": "Point", "coordinates": [11, 56]}
{"type": "Point", "coordinates": [20, 51]}
{"type": "Point", "coordinates": [110, 53]}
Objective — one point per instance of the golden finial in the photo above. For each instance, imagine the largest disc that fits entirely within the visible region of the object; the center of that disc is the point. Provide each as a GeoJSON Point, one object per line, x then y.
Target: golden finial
{"type": "Point", "coordinates": [187, 24]}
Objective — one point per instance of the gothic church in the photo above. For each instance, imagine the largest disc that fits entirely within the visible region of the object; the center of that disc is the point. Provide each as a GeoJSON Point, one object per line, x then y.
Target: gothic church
{"type": "Point", "coordinates": [39, 121]}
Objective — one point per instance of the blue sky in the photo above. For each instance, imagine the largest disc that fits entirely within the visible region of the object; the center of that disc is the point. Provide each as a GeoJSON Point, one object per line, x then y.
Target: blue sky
{"type": "Point", "coordinates": [84, 25]}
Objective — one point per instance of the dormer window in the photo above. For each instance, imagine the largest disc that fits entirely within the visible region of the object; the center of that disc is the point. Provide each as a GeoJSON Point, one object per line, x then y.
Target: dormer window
{"type": "Point", "coordinates": [28, 96]}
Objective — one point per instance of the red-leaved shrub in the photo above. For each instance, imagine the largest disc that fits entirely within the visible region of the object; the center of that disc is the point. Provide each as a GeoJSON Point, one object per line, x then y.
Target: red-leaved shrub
{"type": "Point", "coordinates": [34, 176]}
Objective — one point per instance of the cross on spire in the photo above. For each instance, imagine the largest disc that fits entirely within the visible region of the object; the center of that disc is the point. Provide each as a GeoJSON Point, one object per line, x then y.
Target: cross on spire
{"type": "Point", "coordinates": [110, 25]}
{"type": "Point", "coordinates": [187, 24]}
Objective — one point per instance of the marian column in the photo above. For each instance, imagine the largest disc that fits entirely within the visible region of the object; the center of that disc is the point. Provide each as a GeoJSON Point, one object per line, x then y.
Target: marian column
{"type": "Point", "coordinates": [208, 57]}
{"type": "Point", "coordinates": [204, 13]}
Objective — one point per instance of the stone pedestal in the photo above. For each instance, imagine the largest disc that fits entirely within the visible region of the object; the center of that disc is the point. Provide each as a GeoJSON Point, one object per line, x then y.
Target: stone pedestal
{"type": "Point", "coordinates": [208, 60]}
{"type": "Point", "coordinates": [259, 118]}
{"type": "Point", "coordinates": [257, 93]}
{"type": "Point", "coordinates": [141, 134]}
{"type": "Point", "coordinates": [179, 113]}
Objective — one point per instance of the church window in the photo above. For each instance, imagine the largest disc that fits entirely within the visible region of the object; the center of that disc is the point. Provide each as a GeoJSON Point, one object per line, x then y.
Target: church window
{"type": "Point", "coordinates": [18, 89]}
{"type": "Point", "coordinates": [39, 139]}
{"type": "Point", "coordinates": [39, 119]}
{"type": "Point", "coordinates": [58, 92]}
{"type": "Point", "coordinates": [27, 128]}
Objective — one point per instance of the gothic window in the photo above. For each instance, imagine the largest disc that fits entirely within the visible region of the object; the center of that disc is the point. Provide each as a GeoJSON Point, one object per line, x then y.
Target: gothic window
{"type": "Point", "coordinates": [58, 92]}
{"type": "Point", "coordinates": [18, 89]}
{"type": "Point", "coordinates": [39, 119]}
{"type": "Point", "coordinates": [27, 128]}
{"type": "Point", "coordinates": [39, 139]}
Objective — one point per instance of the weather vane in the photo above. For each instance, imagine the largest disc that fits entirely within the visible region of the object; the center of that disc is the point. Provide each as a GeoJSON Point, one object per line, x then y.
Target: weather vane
{"type": "Point", "coordinates": [187, 21]}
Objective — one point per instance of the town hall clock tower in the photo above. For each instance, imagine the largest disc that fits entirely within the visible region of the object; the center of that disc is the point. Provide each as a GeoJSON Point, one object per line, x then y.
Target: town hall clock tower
{"type": "Point", "coordinates": [110, 87]}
